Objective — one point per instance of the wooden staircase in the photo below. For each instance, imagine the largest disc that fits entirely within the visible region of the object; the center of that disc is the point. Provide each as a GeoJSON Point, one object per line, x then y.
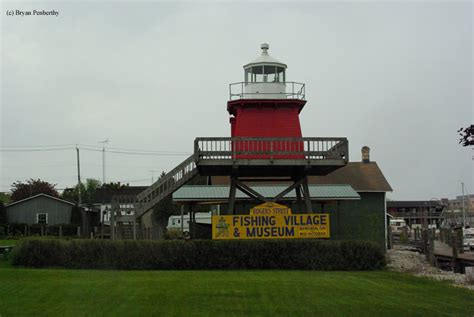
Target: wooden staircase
{"type": "Point", "coordinates": [166, 185]}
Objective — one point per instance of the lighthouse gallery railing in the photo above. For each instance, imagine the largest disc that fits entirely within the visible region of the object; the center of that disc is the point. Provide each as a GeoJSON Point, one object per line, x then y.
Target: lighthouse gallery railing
{"type": "Point", "coordinates": [316, 148]}
{"type": "Point", "coordinates": [293, 90]}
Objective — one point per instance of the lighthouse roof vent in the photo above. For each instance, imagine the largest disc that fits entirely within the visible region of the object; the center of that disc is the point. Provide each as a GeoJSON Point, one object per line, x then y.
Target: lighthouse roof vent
{"type": "Point", "coordinates": [265, 59]}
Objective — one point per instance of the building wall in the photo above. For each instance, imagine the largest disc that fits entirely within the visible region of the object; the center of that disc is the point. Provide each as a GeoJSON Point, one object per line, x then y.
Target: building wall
{"type": "Point", "coordinates": [267, 122]}
{"type": "Point", "coordinates": [362, 219]}
{"type": "Point", "coordinates": [25, 212]}
{"type": "Point", "coordinates": [457, 204]}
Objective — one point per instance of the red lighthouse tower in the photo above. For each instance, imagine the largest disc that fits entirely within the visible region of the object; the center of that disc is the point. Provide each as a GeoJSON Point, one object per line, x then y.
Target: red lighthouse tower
{"type": "Point", "coordinates": [265, 105]}
{"type": "Point", "coordinates": [265, 142]}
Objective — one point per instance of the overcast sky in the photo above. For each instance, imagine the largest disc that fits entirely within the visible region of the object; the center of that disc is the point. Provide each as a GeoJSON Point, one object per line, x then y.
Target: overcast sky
{"type": "Point", "coordinates": [396, 76]}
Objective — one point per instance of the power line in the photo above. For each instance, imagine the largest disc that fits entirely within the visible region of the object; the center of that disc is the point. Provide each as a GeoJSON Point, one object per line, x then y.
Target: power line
{"type": "Point", "coordinates": [36, 150]}
{"type": "Point", "coordinates": [108, 150]}
{"type": "Point", "coordinates": [35, 146]}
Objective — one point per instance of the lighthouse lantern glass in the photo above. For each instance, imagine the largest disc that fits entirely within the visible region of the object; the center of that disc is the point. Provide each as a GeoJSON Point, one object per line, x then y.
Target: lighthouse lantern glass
{"type": "Point", "coordinates": [265, 74]}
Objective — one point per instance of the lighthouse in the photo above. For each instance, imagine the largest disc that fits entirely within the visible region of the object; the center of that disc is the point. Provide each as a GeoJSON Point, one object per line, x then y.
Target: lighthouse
{"type": "Point", "coordinates": [266, 143]}
{"type": "Point", "coordinates": [265, 104]}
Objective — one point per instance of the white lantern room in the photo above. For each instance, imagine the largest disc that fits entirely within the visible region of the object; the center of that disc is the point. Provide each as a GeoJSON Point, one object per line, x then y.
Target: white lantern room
{"type": "Point", "coordinates": [265, 77]}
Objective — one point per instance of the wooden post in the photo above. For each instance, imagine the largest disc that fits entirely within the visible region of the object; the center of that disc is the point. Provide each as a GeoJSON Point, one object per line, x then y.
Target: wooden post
{"type": "Point", "coordinates": [299, 200]}
{"type": "Point", "coordinates": [26, 231]}
{"type": "Point", "coordinates": [78, 231]}
{"type": "Point", "coordinates": [460, 240]}
{"type": "Point", "coordinates": [60, 231]}
{"type": "Point", "coordinates": [134, 227]}
{"type": "Point", "coordinates": [42, 230]}
{"type": "Point", "coordinates": [455, 252]}
{"type": "Point", "coordinates": [232, 193]}
{"type": "Point", "coordinates": [425, 241]}
{"type": "Point", "coordinates": [432, 235]}
{"type": "Point", "coordinates": [103, 213]}
{"type": "Point", "coordinates": [182, 221]}
{"type": "Point", "coordinates": [469, 273]}
{"type": "Point", "coordinates": [112, 224]}
{"type": "Point", "coordinates": [390, 238]}
{"type": "Point", "coordinates": [307, 198]}
{"type": "Point", "coordinates": [449, 237]}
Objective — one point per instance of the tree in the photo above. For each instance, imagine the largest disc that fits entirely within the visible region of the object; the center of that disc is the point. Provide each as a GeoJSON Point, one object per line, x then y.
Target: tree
{"type": "Point", "coordinates": [32, 187]}
{"type": "Point", "coordinates": [88, 190]}
{"type": "Point", "coordinates": [116, 185]}
{"type": "Point", "coordinates": [467, 135]}
{"type": "Point", "coordinates": [5, 198]}
{"type": "Point", "coordinates": [3, 213]}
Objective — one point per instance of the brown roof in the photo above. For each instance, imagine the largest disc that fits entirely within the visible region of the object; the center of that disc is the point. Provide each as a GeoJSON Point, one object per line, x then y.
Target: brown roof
{"type": "Point", "coordinates": [361, 176]}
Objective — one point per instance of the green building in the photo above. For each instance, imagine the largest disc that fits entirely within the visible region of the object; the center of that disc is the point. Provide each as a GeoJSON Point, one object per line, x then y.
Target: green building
{"type": "Point", "coordinates": [354, 196]}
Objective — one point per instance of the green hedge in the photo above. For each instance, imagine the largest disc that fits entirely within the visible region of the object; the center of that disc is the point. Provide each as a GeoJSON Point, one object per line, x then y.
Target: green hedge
{"type": "Point", "coordinates": [200, 254]}
{"type": "Point", "coordinates": [18, 229]}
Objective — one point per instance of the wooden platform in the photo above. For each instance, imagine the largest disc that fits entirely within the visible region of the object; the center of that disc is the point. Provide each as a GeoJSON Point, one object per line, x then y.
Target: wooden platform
{"type": "Point", "coordinates": [443, 250]}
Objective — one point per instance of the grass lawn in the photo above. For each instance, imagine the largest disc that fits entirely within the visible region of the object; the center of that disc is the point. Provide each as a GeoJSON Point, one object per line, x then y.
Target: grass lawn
{"type": "Point", "coordinates": [8, 242]}
{"type": "Point", "coordinates": [55, 292]}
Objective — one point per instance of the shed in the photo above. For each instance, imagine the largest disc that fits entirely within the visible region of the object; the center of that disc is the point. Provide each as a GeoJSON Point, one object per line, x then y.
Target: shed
{"type": "Point", "coordinates": [40, 209]}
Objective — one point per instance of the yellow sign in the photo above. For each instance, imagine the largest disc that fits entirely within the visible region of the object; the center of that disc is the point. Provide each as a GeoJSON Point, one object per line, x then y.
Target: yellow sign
{"type": "Point", "coordinates": [270, 221]}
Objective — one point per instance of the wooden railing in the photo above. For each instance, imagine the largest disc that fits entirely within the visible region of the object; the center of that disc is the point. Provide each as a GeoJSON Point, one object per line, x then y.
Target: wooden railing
{"type": "Point", "coordinates": [166, 185]}
{"type": "Point", "coordinates": [225, 148]}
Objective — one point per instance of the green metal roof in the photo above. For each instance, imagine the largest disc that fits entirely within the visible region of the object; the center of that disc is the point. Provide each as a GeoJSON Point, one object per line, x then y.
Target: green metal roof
{"type": "Point", "coordinates": [216, 192]}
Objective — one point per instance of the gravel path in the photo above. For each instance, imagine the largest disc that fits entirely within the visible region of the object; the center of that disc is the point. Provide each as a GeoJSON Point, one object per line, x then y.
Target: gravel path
{"type": "Point", "coordinates": [400, 259]}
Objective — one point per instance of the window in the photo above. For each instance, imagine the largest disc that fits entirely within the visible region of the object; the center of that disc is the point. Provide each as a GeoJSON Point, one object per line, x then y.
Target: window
{"type": "Point", "coordinates": [248, 75]}
{"type": "Point", "coordinates": [257, 72]}
{"type": "Point", "coordinates": [269, 73]}
{"type": "Point", "coordinates": [42, 218]}
{"type": "Point", "coordinates": [280, 74]}
{"type": "Point", "coordinates": [264, 74]}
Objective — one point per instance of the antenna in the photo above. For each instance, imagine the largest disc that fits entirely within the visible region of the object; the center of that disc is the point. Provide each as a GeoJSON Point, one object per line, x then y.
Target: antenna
{"type": "Point", "coordinates": [106, 141]}
{"type": "Point", "coordinates": [153, 175]}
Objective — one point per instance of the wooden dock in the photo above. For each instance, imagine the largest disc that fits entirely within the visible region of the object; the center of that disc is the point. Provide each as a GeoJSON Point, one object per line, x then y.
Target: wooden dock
{"type": "Point", "coordinates": [444, 251]}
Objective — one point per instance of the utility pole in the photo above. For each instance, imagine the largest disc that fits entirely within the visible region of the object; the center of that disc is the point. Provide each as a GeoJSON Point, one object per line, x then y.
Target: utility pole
{"type": "Point", "coordinates": [463, 208]}
{"type": "Point", "coordinates": [79, 199]}
{"type": "Point", "coordinates": [78, 177]}
{"type": "Point", "coordinates": [106, 141]}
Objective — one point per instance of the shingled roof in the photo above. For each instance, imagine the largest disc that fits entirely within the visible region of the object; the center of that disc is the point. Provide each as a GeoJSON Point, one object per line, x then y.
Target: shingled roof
{"type": "Point", "coordinates": [363, 177]}
{"type": "Point", "coordinates": [104, 195]}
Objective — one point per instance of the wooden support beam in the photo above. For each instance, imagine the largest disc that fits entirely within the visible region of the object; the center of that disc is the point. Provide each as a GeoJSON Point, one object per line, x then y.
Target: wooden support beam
{"type": "Point", "coordinates": [289, 189]}
{"type": "Point", "coordinates": [232, 192]}
{"type": "Point", "coordinates": [307, 198]}
{"type": "Point", "coordinates": [299, 200]}
{"type": "Point", "coordinates": [249, 191]}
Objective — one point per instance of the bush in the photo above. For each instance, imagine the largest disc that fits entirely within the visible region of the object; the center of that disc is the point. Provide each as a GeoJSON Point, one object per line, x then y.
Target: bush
{"type": "Point", "coordinates": [173, 234]}
{"type": "Point", "coordinates": [17, 229]}
{"type": "Point", "coordinates": [200, 254]}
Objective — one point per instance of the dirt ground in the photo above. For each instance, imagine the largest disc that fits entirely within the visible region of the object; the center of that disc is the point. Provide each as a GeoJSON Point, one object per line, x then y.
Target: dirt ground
{"type": "Point", "coordinates": [400, 259]}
